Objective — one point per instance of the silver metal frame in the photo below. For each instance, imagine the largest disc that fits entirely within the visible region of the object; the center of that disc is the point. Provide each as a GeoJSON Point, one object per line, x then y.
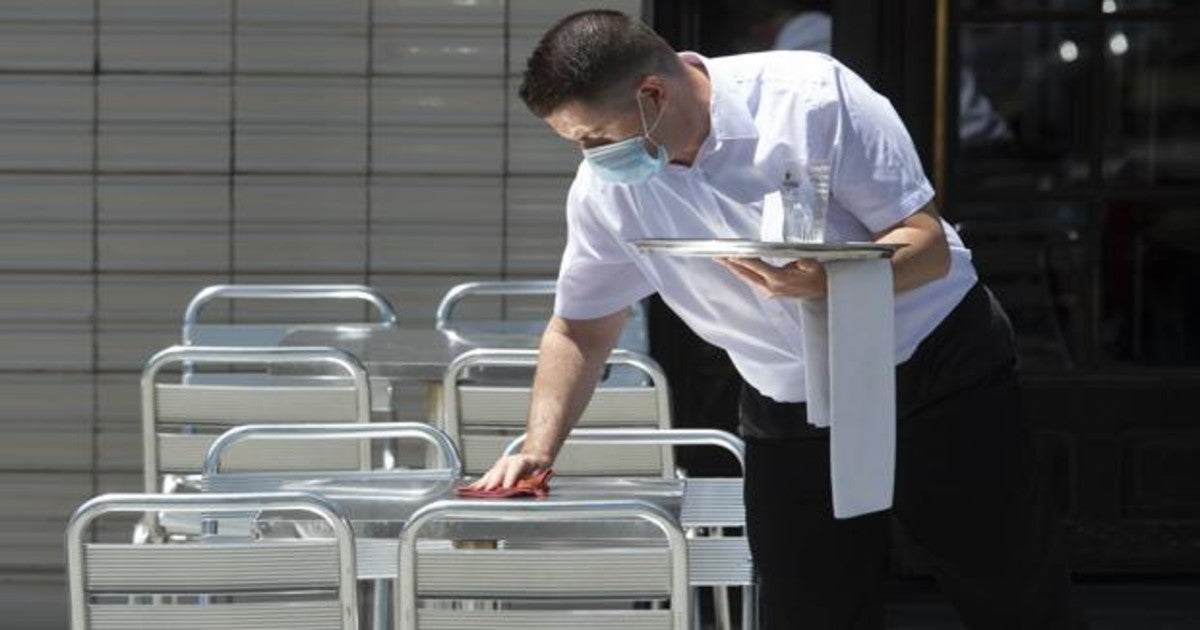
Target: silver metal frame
{"type": "Point", "coordinates": [673, 437]}
{"type": "Point", "coordinates": [192, 355]}
{"type": "Point", "coordinates": [528, 358]}
{"type": "Point", "coordinates": [447, 452]}
{"type": "Point", "coordinates": [191, 315]}
{"type": "Point", "coordinates": [80, 521]}
{"type": "Point", "coordinates": [456, 293]}
{"type": "Point", "coordinates": [445, 308]}
{"type": "Point", "coordinates": [406, 591]}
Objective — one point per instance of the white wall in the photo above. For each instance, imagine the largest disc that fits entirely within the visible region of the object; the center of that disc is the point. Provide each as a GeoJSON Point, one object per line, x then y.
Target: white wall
{"type": "Point", "coordinates": [151, 147]}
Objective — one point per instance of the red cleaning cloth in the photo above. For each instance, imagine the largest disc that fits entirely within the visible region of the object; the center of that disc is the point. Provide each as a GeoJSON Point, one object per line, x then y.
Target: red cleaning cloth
{"type": "Point", "coordinates": [534, 485]}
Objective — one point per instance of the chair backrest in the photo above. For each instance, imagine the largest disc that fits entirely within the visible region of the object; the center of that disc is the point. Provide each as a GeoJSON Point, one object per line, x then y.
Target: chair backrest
{"type": "Point", "coordinates": [218, 581]}
{"type": "Point", "coordinates": [635, 335]}
{"type": "Point", "coordinates": [447, 462]}
{"type": "Point", "coordinates": [443, 316]}
{"type": "Point", "coordinates": [709, 503]}
{"type": "Point", "coordinates": [195, 333]}
{"type": "Point", "coordinates": [180, 419]}
{"type": "Point", "coordinates": [575, 586]}
{"type": "Point", "coordinates": [482, 418]}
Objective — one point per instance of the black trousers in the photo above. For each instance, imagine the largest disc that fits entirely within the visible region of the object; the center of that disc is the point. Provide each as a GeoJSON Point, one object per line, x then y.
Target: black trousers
{"type": "Point", "coordinates": [967, 495]}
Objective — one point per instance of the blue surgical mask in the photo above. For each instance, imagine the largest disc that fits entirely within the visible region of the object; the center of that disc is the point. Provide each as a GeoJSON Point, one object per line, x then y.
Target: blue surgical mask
{"type": "Point", "coordinates": [629, 161]}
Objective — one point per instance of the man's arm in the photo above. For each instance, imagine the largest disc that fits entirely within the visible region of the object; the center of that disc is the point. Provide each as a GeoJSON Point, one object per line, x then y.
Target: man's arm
{"type": "Point", "coordinates": [570, 361]}
{"type": "Point", "coordinates": [925, 258]}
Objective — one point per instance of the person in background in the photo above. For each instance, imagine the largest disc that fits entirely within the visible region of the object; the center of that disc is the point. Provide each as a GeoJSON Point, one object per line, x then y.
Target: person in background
{"type": "Point", "coordinates": [807, 25]}
{"type": "Point", "coordinates": [680, 145]}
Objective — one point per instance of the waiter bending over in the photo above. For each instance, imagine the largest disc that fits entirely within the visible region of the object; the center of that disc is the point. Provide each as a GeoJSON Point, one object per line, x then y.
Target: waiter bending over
{"type": "Point", "coordinates": [678, 145]}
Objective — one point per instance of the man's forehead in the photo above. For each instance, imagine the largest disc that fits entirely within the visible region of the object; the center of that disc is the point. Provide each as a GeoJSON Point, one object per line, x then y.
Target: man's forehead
{"type": "Point", "coordinates": [578, 121]}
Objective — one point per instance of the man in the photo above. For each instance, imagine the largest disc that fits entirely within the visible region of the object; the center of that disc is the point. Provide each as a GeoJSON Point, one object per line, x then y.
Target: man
{"type": "Point", "coordinates": [676, 145]}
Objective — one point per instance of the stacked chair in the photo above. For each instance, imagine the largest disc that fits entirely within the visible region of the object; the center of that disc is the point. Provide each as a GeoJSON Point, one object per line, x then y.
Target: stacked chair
{"type": "Point", "coordinates": [374, 555]}
{"type": "Point", "coordinates": [222, 581]}
{"type": "Point", "coordinates": [182, 416]}
{"type": "Point", "coordinates": [255, 455]}
{"type": "Point", "coordinates": [526, 307]}
{"type": "Point", "coordinates": [482, 415]}
{"type": "Point", "coordinates": [561, 586]}
{"type": "Point", "coordinates": [197, 332]}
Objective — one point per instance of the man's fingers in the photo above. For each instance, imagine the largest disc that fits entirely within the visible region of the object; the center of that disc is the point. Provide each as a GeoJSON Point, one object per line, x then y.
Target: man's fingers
{"type": "Point", "coordinates": [507, 471]}
{"type": "Point", "coordinates": [746, 274]}
{"type": "Point", "coordinates": [487, 481]}
{"type": "Point", "coordinates": [806, 264]}
{"type": "Point", "coordinates": [756, 265]}
{"type": "Point", "coordinates": [514, 468]}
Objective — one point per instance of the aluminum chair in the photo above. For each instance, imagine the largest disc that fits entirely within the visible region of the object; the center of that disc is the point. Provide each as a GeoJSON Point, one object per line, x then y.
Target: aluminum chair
{"type": "Point", "coordinates": [220, 581]}
{"type": "Point", "coordinates": [482, 418]}
{"type": "Point", "coordinates": [447, 462]}
{"type": "Point", "coordinates": [180, 420]}
{"type": "Point", "coordinates": [446, 465]}
{"type": "Point", "coordinates": [196, 333]}
{"type": "Point", "coordinates": [443, 316]}
{"type": "Point", "coordinates": [710, 505]}
{"type": "Point", "coordinates": [634, 337]}
{"type": "Point", "coordinates": [556, 586]}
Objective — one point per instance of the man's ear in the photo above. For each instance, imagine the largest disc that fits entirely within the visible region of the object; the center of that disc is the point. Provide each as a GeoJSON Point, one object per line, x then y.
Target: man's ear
{"type": "Point", "coordinates": [653, 86]}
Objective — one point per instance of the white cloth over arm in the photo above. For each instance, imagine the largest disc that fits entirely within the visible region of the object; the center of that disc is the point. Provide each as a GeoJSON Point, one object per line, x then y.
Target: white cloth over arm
{"type": "Point", "coordinates": [848, 340]}
{"type": "Point", "coordinates": [849, 336]}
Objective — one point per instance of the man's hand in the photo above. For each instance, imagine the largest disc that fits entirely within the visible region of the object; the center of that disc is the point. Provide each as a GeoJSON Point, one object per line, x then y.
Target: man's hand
{"type": "Point", "coordinates": [800, 279]}
{"type": "Point", "coordinates": [507, 470]}
{"type": "Point", "coordinates": [570, 360]}
{"type": "Point", "coordinates": [924, 258]}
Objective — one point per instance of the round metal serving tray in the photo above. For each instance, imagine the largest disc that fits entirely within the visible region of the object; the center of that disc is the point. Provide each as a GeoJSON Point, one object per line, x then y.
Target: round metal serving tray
{"type": "Point", "coordinates": [745, 248]}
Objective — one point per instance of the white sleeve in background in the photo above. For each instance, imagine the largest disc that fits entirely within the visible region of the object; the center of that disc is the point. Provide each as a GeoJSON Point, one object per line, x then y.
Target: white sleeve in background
{"type": "Point", "coordinates": [877, 175]}
{"type": "Point", "coordinates": [597, 276]}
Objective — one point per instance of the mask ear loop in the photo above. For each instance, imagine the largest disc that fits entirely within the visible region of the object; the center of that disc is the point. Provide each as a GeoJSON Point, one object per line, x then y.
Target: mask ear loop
{"type": "Point", "coordinates": [646, 131]}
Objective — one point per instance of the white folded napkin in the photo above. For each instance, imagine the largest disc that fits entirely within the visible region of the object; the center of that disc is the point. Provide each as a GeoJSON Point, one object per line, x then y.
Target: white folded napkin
{"type": "Point", "coordinates": [849, 345]}
{"type": "Point", "coordinates": [850, 382]}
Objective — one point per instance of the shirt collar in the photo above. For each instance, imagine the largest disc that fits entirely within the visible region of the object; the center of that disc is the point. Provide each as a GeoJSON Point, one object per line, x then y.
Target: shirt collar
{"type": "Point", "coordinates": [730, 116]}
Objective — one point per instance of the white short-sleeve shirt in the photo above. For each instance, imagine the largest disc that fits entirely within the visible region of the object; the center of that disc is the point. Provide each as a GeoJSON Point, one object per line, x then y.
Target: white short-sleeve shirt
{"type": "Point", "coordinates": [769, 110]}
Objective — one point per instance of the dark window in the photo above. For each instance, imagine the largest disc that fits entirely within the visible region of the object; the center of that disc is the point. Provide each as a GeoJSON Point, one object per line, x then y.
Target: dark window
{"type": "Point", "coordinates": [1074, 176]}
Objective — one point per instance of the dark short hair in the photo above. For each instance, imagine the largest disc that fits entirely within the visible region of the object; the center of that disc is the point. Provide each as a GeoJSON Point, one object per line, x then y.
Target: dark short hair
{"type": "Point", "coordinates": [587, 55]}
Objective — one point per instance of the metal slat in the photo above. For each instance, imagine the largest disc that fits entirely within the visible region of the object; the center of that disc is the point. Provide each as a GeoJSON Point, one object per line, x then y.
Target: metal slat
{"type": "Point", "coordinates": [322, 615]}
{"type": "Point", "coordinates": [612, 572]}
{"type": "Point", "coordinates": [199, 567]}
{"type": "Point", "coordinates": [719, 561]}
{"type": "Point", "coordinates": [232, 404]}
{"type": "Point", "coordinates": [713, 503]}
{"type": "Point", "coordinates": [375, 558]}
{"type": "Point", "coordinates": [184, 453]}
{"type": "Point", "coordinates": [509, 407]}
{"type": "Point", "coordinates": [437, 619]}
{"type": "Point", "coordinates": [711, 561]}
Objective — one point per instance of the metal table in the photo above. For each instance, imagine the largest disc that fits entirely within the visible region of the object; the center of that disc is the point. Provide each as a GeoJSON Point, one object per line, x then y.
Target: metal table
{"type": "Point", "coordinates": [379, 504]}
{"type": "Point", "coordinates": [413, 354]}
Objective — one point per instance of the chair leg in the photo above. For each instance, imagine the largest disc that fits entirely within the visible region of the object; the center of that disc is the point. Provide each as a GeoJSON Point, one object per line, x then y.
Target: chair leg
{"type": "Point", "coordinates": [721, 608]}
{"type": "Point", "coordinates": [749, 607]}
{"type": "Point", "coordinates": [381, 616]}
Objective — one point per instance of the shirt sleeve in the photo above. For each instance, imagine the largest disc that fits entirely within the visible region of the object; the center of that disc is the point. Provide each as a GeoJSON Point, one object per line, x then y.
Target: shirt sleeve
{"type": "Point", "coordinates": [597, 276]}
{"type": "Point", "coordinates": [877, 175]}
